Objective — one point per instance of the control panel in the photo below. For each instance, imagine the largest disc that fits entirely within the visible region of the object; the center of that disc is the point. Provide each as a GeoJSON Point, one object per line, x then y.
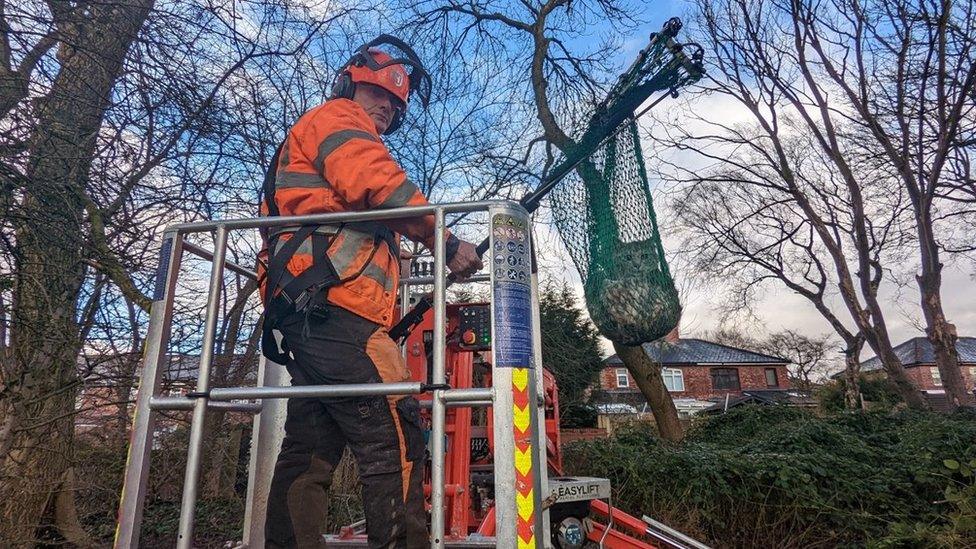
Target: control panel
{"type": "Point", "coordinates": [474, 327]}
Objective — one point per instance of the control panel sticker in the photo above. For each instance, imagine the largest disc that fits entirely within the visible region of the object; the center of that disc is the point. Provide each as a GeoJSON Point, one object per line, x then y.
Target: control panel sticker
{"type": "Point", "coordinates": [512, 294]}
{"type": "Point", "coordinates": [513, 325]}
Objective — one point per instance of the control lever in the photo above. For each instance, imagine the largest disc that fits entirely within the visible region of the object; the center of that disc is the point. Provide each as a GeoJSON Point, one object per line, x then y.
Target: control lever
{"type": "Point", "coordinates": [412, 319]}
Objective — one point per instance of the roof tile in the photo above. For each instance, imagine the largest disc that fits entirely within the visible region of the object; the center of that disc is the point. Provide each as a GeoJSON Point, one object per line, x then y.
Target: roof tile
{"type": "Point", "coordinates": [699, 351]}
{"type": "Point", "coordinates": [918, 350]}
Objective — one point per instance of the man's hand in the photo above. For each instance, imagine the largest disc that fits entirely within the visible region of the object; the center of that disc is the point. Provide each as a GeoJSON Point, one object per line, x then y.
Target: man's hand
{"type": "Point", "coordinates": [465, 261]}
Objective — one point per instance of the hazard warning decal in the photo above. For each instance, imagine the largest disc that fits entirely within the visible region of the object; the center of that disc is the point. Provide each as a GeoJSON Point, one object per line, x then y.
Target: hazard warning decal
{"type": "Point", "coordinates": [524, 475]}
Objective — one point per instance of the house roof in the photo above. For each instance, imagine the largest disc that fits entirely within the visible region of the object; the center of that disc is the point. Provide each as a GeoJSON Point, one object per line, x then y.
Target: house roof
{"type": "Point", "coordinates": [699, 351]}
{"type": "Point", "coordinates": [918, 351]}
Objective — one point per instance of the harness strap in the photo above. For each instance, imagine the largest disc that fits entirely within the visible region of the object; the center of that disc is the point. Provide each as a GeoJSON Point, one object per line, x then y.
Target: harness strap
{"type": "Point", "coordinates": [285, 293]}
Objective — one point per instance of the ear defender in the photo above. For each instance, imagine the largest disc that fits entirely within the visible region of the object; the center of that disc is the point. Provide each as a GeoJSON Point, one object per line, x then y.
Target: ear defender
{"type": "Point", "coordinates": [343, 87]}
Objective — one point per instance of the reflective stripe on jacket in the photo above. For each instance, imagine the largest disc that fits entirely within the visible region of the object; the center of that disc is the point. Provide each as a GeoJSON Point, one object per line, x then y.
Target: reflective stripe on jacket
{"type": "Point", "coordinates": [334, 161]}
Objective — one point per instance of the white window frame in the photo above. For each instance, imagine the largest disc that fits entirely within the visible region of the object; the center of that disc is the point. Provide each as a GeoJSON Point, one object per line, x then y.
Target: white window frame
{"type": "Point", "coordinates": [674, 379]}
{"type": "Point", "coordinates": [936, 376]}
{"type": "Point", "coordinates": [622, 380]}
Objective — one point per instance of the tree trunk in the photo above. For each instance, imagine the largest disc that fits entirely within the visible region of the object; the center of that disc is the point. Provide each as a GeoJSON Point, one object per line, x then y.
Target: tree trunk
{"type": "Point", "coordinates": [852, 372]}
{"type": "Point", "coordinates": [34, 468]}
{"type": "Point", "coordinates": [50, 230]}
{"type": "Point", "coordinates": [214, 454]}
{"type": "Point", "coordinates": [869, 319]}
{"type": "Point", "coordinates": [647, 374]}
{"type": "Point", "coordinates": [941, 333]}
{"type": "Point", "coordinates": [66, 514]}
{"type": "Point", "coordinates": [899, 379]}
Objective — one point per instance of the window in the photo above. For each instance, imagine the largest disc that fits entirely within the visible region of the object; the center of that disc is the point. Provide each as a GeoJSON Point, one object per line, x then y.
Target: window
{"type": "Point", "coordinates": [771, 379]}
{"type": "Point", "coordinates": [725, 378]}
{"type": "Point", "coordinates": [673, 379]}
{"type": "Point", "coordinates": [936, 376]}
{"type": "Point", "coordinates": [622, 379]}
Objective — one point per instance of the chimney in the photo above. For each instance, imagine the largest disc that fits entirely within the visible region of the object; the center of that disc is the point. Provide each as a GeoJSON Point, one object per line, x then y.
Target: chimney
{"type": "Point", "coordinates": [673, 336]}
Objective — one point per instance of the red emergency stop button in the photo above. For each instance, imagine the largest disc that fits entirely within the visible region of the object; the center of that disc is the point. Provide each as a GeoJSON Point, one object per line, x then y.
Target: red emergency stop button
{"type": "Point", "coordinates": [469, 337]}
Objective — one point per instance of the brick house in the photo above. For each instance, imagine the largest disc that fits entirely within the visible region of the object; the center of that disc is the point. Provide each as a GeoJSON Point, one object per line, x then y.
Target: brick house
{"type": "Point", "coordinates": [918, 358]}
{"type": "Point", "coordinates": [106, 402]}
{"type": "Point", "coordinates": [698, 374]}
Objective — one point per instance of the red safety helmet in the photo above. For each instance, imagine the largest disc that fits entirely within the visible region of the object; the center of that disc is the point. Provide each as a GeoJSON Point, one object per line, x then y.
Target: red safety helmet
{"type": "Point", "coordinates": [400, 76]}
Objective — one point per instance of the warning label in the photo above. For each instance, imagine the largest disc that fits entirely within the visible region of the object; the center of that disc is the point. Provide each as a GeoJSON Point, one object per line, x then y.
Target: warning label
{"type": "Point", "coordinates": [513, 300]}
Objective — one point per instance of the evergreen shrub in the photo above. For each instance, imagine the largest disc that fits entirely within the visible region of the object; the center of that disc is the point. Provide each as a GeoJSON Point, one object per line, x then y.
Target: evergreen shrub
{"type": "Point", "coordinates": [783, 477]}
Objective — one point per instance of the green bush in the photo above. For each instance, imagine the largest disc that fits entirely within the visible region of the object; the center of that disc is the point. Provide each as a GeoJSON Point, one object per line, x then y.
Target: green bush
{"type": "Point", "coordinates": [577, 416]}
{"type": "Point", "coordinates": [878, 392]}
{"type": "Point", "coordinates": [99, 469]}
{"type": "Point", "coordinates": [782, 477]}
{"type": "Point", "coordinates": [100, 466]}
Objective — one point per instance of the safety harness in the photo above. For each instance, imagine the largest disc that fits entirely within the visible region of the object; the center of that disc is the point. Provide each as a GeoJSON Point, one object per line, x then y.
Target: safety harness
{"type": "Point", "coordinates": [286, 294]}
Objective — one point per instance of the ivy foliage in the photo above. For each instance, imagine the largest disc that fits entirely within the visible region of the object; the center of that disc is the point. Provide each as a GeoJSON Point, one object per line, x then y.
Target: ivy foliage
{"type": "Point", "coordinates": [782, 477]}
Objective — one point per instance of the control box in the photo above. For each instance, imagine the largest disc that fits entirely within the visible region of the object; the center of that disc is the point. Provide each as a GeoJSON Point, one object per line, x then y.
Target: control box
{"type": "Point", "coordinates": [474, 327]}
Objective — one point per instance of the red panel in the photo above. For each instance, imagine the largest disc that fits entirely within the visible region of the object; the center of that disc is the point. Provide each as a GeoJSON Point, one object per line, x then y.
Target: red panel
{"type": "Point", "coordinates": [621, 519]}
{"type": "Point", "coordinates": [462, 514]}
{"type": "Point", "coordinates": [616, 539]}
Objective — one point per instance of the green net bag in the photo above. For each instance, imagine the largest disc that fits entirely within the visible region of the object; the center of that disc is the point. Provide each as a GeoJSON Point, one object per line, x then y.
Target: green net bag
{"type": "Point", "coordinates": [603, 209]}
{"type": "Point", "coordinates": [615, 242]}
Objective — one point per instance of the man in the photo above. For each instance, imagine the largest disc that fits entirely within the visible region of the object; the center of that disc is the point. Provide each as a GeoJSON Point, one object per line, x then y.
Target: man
{"type": "Point", "coordinates": [331, 290]}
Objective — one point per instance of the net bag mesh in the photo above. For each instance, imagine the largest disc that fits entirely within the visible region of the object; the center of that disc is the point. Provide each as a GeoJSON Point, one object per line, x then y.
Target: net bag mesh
{"type": "Point", "coordinates": [604, 211]}
{"type": "Point", "coordinates": [605, 216]}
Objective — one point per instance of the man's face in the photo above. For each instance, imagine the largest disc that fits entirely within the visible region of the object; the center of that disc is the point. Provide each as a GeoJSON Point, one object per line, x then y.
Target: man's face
{"type": "Point", "coordinates": [378, 103]}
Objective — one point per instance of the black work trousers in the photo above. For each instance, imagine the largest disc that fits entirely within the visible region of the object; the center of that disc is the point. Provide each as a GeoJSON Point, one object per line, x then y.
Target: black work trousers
{"type": "Point", "coordinates": [384, 434]}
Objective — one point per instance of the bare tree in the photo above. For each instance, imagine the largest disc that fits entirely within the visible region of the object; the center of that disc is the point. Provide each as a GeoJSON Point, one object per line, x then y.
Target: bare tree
{"type": "Point", "coordinates": [46, 233]}
{"type": "Point", "coordinates": [798, 194]}
{"type": "Point", "coordinates": [880, 90]}
{"type": "Point", "coordinates": [113, 124]}
{"type": "Point", "coordinates": [908, 73]}
{"type": "Point", "coordinates": [748, 233]}
{"type": "Point", "coordinates": [808, 356]}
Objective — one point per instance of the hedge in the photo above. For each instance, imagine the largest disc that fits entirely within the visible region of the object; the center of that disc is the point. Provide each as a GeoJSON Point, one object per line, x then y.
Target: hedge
{"type": "Point", "coordinates": [783, 477]}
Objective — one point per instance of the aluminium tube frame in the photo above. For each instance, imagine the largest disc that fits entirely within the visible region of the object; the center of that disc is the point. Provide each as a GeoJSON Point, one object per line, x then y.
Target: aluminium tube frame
{"type": "Point", "coordinates": [191, 479]}
{"type": "Point", "coordinates": [149, 402]}
{"type": "Point", "coordinates": [438, 377]}
{"type": "Point", "coordinates": [518, 469]}
{"type": "Point", "coordinates": [136, 478]}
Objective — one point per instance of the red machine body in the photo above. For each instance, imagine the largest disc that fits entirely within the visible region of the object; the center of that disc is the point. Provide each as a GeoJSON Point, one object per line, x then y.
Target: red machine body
{"type": "Point", "coordinates": [468, 475]}
{"type": "Point", "coordinates": [468, 467]}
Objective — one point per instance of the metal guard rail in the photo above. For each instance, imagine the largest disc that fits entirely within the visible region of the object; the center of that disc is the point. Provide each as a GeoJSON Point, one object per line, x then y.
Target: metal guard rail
{"type": "Point", "coordinates": [205, 397]}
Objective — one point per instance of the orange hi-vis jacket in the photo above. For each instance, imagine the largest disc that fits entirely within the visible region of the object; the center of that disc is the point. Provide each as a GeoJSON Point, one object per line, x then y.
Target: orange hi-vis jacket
{"type": "Point", "coordinates": [334, 161]}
